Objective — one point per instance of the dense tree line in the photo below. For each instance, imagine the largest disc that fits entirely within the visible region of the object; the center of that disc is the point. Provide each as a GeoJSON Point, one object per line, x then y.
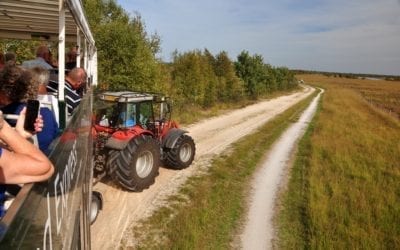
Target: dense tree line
{"type": "Point", "coordinates": [261, 78]}
{"type": "Point", "coordinates": [127, 60]}
{"type": "Point", "coordinates": [203, 79]}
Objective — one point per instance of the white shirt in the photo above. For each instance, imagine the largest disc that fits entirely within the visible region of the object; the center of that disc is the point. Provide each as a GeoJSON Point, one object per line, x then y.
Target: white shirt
{"type": "Point", "coordinates": [51, 102]}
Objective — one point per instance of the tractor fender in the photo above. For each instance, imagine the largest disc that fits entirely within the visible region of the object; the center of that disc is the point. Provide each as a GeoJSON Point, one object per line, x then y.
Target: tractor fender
{"type": "Point", "coordinates": [116, 143]}
{"type": "Point", "coordinates": [172, 136]}
{"type": "Point", "coordinates": [119, 143]}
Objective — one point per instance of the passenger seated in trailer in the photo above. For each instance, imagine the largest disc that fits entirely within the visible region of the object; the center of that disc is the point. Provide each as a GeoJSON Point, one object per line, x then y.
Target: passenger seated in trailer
{"type": "Point", "coordinates": [17, 86]}
{"type": "Point", "coordinates": [41, 77]}
{"type": "Point", "coordinates": [43, 56]}
{"type": "Point", "coordinates": [47, 110]}
{"type": "Point", "coordinates": [74, 80]}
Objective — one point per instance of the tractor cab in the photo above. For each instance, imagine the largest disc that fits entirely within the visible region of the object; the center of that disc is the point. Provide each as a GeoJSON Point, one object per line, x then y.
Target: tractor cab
{"type": "Point", "coordinates": [123, 115]}
{"type": "Point", "coordinates": [124, 110]}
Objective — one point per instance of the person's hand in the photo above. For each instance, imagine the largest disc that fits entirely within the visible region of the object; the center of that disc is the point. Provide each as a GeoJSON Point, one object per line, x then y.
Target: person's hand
{"type": "Point", "coordinates": [20, 125]}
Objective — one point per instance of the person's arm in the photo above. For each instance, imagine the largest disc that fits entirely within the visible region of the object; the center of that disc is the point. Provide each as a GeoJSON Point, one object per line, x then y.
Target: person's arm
{"type": "Point", "coordinates": [26, 163]}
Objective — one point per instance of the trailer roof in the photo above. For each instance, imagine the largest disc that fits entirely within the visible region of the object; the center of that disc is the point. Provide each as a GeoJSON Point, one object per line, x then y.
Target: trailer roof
{"type": "Point", "coordinates": [35, 19]}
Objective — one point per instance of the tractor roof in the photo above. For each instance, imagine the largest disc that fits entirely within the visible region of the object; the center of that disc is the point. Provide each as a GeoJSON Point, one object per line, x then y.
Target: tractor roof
{"type": "Point", "coordinates": [127, 96]}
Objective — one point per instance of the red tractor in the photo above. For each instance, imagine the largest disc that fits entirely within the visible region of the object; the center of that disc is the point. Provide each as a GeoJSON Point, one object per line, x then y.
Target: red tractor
{"type": "Point", "coordinates": [134, 135]}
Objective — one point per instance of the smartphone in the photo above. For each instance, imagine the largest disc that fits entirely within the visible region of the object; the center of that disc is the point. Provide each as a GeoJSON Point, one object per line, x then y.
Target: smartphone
{"type": "Point", "coordinates": [32, 112]}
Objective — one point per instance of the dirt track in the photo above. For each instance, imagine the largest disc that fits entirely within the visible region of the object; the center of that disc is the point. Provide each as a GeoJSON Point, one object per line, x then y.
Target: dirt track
{"type": "Point", "coordinates": [122, 209]}
{"type": "Point", "coordinates": [258, 231]}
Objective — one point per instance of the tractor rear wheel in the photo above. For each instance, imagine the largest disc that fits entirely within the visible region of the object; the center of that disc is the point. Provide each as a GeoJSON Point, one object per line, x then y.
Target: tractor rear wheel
{"type": "Point", "coordinates": [112, 166]}
{"type": "Point", "coordinates": [182, 155]}
{"type": "Point", "coordinates": [138, 163]}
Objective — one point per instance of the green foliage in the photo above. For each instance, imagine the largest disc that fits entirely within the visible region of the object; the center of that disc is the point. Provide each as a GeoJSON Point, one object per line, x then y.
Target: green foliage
{"type": "Point", "coordinates": [204, 80]}
{"type": "Point", "coordinates": [231, 88]}
{"type": "Point", "coordinates": [260, 78]}
{"type": "Point", "coordinates": [193, 79]}
{"type": "Point", "coordinates": [126, 53]}
{"type": "Point", "coordinates": [251, 70]}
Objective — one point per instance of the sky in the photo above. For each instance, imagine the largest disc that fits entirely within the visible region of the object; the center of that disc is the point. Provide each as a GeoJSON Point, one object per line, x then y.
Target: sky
{"type": "Point", "coordinates": [349, 36]}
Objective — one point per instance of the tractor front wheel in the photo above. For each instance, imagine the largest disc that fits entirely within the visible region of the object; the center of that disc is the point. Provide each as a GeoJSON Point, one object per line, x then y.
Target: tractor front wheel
{"type": "Point", "coordinates": [138, 163]}
{"type": "Point", "coordinates": [182, 155]}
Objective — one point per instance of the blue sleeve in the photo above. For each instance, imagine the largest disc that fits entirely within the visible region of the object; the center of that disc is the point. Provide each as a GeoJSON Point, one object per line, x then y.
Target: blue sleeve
{"type": "Point", "coordinates": [2, 199]}
{"type": "Point", "coordinates": [50, 129]}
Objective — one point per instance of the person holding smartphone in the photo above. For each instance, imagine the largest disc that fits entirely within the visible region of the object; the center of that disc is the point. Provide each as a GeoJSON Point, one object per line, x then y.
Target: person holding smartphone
{"type": "Point", "coordinates": [20, 161]}
{"type": "Point", "coordinates": [17, 86]}
{"type": "Point", "coordinates": [51, 129]}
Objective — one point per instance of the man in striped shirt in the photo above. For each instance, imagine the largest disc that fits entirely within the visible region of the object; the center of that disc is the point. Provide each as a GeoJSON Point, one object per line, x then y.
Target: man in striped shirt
{"type": "Point", "coordinates": [74, 80]}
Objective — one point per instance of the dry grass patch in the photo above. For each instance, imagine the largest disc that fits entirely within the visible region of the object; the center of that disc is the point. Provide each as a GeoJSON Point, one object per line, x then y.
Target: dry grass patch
{"type": "Point", "coordinates": [348, 171]}
{"type": "Point", "coordinates": [379, 93]}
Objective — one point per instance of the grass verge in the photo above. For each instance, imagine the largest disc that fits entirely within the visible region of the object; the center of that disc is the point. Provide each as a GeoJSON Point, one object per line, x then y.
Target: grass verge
{"type": "Point", "coordinates": [344, 191]}
{"type": "Point", "coordinates": [207, 212]}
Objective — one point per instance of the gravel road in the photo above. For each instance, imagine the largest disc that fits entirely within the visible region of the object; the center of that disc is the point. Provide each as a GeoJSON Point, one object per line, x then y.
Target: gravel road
{"type": "Point", "coordinates": [122, 209]}
{"type": "Point", "coordinates": [258, 230]}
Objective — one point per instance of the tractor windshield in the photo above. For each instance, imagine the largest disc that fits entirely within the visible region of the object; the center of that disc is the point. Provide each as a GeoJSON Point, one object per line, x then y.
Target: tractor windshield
{"type": "Point", "coordinates": [146, 113]}
{"type": "Point", "coordinates": [162, 111]}
{"type": "Point", "coordinates": [115, 114]}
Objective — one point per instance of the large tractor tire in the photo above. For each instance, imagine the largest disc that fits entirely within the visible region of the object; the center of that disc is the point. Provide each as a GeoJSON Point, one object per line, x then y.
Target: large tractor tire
{"type": "Point", "coordinates": [112, 158]}
{"type": "Point", "coordinates": [182, 155]}
{"type": "Point", "coordinates": [138, 164]}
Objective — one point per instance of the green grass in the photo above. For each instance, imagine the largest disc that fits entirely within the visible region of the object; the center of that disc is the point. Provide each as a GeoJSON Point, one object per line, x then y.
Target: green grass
{"type": "Point", "coordinates": [207, 212]}
{"type": "Point", "coordinates": [344, 192]}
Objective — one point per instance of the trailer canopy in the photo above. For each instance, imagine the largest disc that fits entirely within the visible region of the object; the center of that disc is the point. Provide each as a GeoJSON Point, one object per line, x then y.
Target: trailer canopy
{"type": "Point", "coordinates": [33, 19]}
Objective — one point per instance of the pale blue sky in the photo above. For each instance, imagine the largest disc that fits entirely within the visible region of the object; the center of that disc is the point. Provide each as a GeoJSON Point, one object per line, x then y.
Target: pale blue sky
{"type": "Point", "coordinates": [358, 36]}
